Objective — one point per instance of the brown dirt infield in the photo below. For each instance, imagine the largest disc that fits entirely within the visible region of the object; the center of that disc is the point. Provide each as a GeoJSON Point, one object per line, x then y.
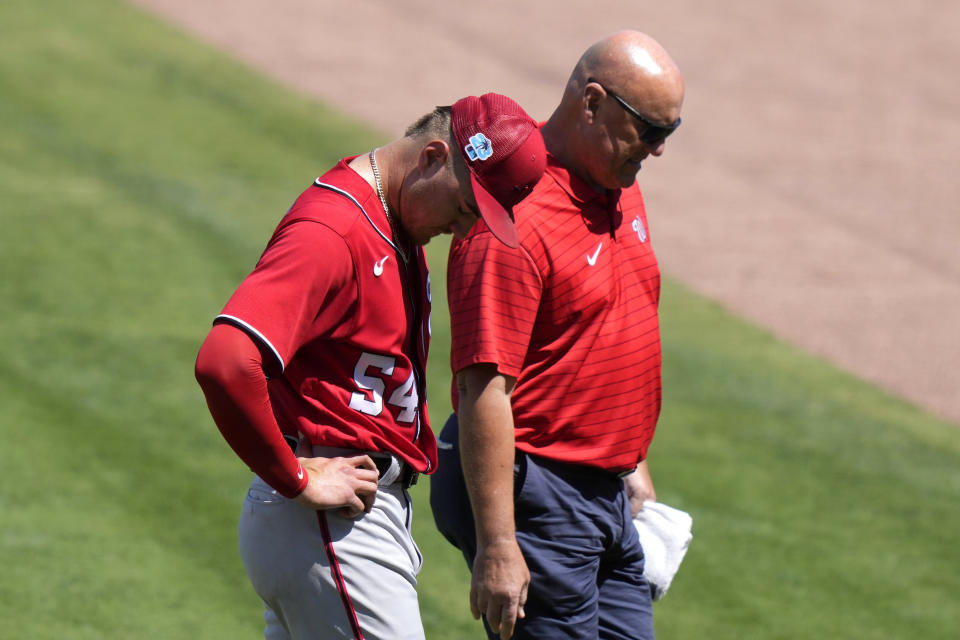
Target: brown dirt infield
{"type": "Point", "coordinates": [813, 188]}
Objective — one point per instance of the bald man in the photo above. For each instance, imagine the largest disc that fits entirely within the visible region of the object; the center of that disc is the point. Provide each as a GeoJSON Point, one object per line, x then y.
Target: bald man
{"type": "Point", "coordinates": [556, 351]}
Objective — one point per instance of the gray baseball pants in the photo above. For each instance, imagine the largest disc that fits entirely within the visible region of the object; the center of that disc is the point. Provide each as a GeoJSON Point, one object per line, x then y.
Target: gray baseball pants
{"type": "Point", "coordinates": [324, 576]}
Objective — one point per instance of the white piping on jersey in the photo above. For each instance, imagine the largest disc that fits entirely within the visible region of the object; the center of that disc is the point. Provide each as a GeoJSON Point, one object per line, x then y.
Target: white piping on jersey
{"type": "Point", "coordinates": [345, 194]}
{"type": "Point", "coordinates": [262, 338]}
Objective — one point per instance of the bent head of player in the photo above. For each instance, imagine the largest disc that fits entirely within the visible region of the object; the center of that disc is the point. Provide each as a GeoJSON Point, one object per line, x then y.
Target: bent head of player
{"type": "Point", "coordinates": [473, 160]}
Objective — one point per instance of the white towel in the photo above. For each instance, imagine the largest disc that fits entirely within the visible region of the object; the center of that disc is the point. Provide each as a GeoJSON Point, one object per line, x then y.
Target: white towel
{"type": "Point", "coordinates": [665, 535]}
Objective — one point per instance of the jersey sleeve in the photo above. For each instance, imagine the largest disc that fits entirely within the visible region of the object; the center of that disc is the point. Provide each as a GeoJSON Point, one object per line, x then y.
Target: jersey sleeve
{"type": "Point", "coordinates": [230, 371]}
{"type": "Point", "coordinates": [301, 288]}
{"type": "Point", "coordinates": [493, 293]}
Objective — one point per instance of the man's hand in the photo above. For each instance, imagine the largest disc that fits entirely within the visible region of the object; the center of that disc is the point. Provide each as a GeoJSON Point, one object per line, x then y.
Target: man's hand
{"type": "Point", "coordinates": [639, 488]}
{"type": "Point", "coordinates": [348, 485]}
{"type": "Point", "coordinates": [498, 589]}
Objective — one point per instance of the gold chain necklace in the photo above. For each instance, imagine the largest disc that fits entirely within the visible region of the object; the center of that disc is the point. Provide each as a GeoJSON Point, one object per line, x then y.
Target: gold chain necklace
{"type": "Point", "coordinates": [394, 227]}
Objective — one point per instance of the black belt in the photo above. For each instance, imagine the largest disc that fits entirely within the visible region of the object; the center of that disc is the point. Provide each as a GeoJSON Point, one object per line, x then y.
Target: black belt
{"type": "Point", "coordinates": [407, 476]}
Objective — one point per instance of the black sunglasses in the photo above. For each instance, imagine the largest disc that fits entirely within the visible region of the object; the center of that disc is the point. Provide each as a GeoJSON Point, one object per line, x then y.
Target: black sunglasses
{"type": "Point", "coordinates": [654, 133]}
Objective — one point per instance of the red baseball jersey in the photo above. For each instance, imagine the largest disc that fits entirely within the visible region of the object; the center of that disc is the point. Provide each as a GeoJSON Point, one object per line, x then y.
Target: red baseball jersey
{"type": "Point", "coordinates": [572, 314]}
{"type": "Point", "coordinates": [347, 320]}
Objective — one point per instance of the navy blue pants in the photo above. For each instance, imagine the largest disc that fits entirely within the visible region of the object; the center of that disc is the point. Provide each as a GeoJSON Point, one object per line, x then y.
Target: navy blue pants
{"type": "Point", "coordinates": [575, 531]}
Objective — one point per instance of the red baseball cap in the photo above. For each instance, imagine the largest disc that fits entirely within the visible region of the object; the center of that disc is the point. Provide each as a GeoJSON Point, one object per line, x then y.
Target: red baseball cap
{"type": "Point", "coordinates": [504, 151]}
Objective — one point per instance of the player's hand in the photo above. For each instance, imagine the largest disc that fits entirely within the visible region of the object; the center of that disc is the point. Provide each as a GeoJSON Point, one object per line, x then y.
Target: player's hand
{"type": "Point", "coordinates": [639, 486]}
{"type": "Point", "coordinates": [348, 485]}
{"type": "Point", "coordinates": [498, 589]}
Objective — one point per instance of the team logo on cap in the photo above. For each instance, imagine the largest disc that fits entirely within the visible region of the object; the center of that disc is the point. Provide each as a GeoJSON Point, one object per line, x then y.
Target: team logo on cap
{"type": "Point", "coordinates": [480, 147]}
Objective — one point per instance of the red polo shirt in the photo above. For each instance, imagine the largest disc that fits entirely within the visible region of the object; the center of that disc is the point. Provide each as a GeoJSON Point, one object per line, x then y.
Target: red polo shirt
{"type": "Point", "coordinates": [572, 314]}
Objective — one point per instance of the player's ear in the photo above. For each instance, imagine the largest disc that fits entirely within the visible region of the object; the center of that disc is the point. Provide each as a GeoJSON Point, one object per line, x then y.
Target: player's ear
{"type": "Point", "coordinates": [433, 156]}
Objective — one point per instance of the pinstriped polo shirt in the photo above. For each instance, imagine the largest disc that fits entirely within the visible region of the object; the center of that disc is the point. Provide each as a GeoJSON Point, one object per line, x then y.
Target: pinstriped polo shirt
{"type": "Point", "coordinates": [572, 314]}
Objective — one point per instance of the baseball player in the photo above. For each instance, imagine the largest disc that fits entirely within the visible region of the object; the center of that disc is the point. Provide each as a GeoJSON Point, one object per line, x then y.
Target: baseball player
{"type": "Point", "coordinates": [314, 370]}
{"type": "Point", "coordinates": [556, 351]}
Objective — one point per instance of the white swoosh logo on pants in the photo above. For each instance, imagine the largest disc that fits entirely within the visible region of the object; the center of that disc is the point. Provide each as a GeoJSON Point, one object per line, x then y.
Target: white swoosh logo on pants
{"type": "Point", "coordinates": [592, 260]}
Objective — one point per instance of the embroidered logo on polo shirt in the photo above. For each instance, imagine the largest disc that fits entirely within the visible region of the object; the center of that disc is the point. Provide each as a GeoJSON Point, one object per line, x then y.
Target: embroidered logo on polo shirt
{"type": "Point", "coordinates": [592, 260]}
{"type": "Point", "coordinates": [640, 229]}
{"type": "Point", "coordinates": [480, 147]}
{"type": "Point", "coordinates": [378, 266]}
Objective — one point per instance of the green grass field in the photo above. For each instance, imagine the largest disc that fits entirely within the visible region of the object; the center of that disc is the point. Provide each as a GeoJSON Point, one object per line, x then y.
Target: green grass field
{"type": "Point", "coordinates": [141, 175]}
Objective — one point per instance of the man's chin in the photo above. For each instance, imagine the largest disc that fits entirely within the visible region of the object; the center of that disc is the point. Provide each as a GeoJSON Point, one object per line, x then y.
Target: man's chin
{"type": "Point", "coordinates": [423, 238]}
{"type": "Point", "coordinates": [627, 180]}
{"type": "Point", "coordinates": [627, 174]}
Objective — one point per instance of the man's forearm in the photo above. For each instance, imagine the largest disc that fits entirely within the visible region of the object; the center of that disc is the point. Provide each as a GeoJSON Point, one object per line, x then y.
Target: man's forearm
{"type": "Point", "coordinates": [500, 578]}
{"type": "Point", "coordinates": [487, 451]}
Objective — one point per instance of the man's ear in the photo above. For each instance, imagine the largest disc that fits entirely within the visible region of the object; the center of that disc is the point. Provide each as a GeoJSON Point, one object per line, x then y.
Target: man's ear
{"type": "Point", "coordinates": [433, 156]}
{"type": "Point", "coordinates": [592, 95]}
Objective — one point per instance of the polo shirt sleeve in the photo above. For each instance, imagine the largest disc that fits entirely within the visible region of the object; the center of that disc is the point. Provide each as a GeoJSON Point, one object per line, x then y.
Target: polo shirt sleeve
{"type": "Point", "coordinates": [302, 288]}
{"type": "Point", "coordinates": [493, 292]}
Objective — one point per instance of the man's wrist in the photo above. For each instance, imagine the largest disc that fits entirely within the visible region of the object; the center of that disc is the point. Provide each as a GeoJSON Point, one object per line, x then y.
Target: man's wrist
{"type": "Point", "coordinates": [295, 482]}
{"type": "Point", "coordinates": [499, 539]}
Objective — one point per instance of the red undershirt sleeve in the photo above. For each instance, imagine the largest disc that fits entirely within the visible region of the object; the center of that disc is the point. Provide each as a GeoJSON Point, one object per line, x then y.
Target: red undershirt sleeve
{"type": "Point", "coordinates": [230, 370]}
